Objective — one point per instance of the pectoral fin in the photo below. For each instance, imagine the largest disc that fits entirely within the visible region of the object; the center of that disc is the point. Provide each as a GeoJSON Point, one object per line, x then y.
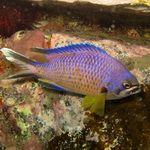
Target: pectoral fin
{"type": "Point", "coordinates": [96, 104]}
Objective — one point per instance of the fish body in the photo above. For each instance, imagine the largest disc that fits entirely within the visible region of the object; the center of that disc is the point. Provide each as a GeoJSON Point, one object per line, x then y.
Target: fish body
{"type": "Point", "coordinates": [81, 68]}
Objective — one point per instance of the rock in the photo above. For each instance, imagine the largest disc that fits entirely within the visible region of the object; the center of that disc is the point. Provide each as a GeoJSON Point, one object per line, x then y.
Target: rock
{"type": "Point", "coordinates": [103, 12]}
{"type": "Point", "coordinates": [57, 119]}
{"type": "Point", "coordinates": [101, 2]}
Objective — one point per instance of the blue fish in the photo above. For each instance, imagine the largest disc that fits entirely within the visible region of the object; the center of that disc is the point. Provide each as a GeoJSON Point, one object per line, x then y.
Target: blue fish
{"type": "Point", "coordinates": [80, 68]}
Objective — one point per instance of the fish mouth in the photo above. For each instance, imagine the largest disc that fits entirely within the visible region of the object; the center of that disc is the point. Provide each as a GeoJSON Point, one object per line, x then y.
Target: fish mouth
{"type": "Point", "coordinates": [125, 93]}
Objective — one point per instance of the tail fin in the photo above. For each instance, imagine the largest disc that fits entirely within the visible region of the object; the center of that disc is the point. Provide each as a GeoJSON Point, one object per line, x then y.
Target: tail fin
{"type": "Point", "coordinates": [16, 57]}
{"type": "Point", "coordinates": [25, 64]}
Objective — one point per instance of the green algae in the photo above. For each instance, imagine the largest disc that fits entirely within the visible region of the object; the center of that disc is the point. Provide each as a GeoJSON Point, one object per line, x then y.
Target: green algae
{"type": "Point", "coordinates": [24, 129]}
{"type": "Point", "coordinates": [142, 63]}
{"type": "Point", "coordinates": [25, 111]}
{"type": "Point", "coordinates": [21, 122]}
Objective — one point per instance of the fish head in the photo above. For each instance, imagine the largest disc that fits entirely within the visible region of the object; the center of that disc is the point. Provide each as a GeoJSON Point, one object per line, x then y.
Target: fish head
{"type": "Point", "coordinates": [122, 85]}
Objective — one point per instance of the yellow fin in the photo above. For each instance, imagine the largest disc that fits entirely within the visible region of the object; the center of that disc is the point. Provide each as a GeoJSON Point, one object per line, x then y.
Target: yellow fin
{"type": "Point", "coordinates": [96, 104]}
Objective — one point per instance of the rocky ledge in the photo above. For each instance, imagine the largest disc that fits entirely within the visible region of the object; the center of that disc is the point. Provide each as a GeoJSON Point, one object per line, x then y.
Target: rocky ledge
{"type": "Point", "coordinates": [102, 12]}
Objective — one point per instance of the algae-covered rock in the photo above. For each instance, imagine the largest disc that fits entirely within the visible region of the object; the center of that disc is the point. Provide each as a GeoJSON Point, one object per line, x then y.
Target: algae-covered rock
{"type": "Point", "coordinates": [44, 118]}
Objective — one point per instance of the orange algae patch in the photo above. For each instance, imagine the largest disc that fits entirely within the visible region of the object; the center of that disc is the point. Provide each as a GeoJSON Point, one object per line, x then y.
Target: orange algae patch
{"type": "Point", "coordinates": [1, 103]}
{"type": "Point", "coordinates": [2, 67]}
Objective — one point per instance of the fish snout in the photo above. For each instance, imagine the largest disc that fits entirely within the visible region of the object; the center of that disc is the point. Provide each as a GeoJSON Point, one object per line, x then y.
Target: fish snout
{"type": "Point", "coordinates": [125, 93]}
{"type": "Point", "coordinates": [135, 90]}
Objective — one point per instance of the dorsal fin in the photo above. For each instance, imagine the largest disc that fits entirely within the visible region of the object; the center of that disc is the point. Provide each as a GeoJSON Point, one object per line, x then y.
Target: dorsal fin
{"type": "Point", "coordinates": [71, 48]}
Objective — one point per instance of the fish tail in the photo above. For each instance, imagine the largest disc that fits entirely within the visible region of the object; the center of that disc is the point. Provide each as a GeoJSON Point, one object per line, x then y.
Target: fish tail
{"type": "Point", "coordinates": [26, 65]}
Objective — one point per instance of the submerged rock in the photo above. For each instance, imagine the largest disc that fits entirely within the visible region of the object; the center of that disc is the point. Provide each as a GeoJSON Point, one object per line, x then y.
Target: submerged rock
{"type": "Point", "coordinates": [56, 120]}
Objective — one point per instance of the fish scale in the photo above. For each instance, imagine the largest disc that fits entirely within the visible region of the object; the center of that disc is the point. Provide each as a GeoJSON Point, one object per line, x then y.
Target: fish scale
{"type": "Point", "coordinates": [82, 66]}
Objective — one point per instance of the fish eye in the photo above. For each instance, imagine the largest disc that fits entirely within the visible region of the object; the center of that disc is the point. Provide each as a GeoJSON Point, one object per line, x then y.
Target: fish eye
{"type": "Point", "coordinates": [20, 34]}
{"type": "Point", "coordinates": [126, 85]}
